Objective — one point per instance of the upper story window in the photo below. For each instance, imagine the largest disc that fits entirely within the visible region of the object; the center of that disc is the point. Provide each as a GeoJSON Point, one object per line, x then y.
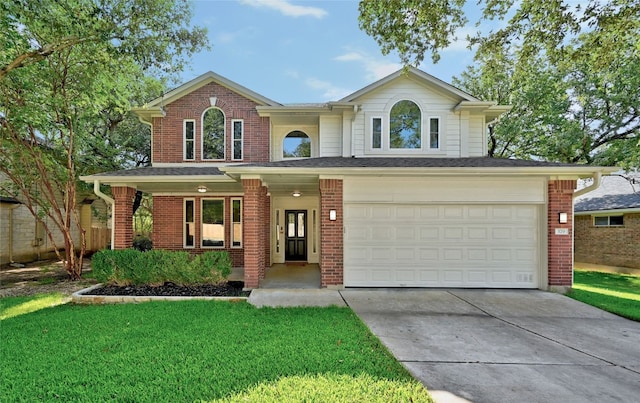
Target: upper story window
{"type": "Point", "coordinates": [213, 134]}
{"type": "Point", "coordinates": [296, 145]}
{"type": "Point", "coordinates": [405, 125]}
{"type": "Point", "coordinates": [189, 130]}
{"type": "Point", "coordinates": [403, 128]}
{"type": "Point", "coordinates": [238, 138]}
{"type": "Point", "coordinates": [608, 221]}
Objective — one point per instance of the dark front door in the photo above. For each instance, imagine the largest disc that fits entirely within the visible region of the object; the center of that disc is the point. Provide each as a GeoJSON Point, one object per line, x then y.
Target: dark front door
{"type": "Point", "coordinates": [295, 235]}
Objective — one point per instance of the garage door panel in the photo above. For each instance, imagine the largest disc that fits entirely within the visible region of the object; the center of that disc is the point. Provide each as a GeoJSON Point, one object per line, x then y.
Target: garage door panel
{"type": "Point", "coordinates": [441, 246]}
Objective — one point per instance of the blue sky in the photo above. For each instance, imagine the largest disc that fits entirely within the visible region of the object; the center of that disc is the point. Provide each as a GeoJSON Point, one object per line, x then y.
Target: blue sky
{"type": "Point", "coordinates": [300, 50]}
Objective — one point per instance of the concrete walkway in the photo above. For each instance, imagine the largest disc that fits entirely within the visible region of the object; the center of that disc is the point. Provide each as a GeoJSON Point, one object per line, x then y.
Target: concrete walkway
{"type": "Point", "coordinates": [505, 346]}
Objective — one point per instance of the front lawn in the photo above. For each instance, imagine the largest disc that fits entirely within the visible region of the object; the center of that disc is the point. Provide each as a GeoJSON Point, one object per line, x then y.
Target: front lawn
{"type": "Point", "coordinates": [616, 293]}
{"type": "Point", "coordinates": [193, 351]}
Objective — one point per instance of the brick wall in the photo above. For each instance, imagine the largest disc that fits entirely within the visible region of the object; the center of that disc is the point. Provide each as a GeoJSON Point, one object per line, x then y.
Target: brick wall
{"type": "Point", "coordinates": [168, 226]}
{"type": "Point", "coordinates": [255, 217]}
{"type": "Point", "coordinates": [123, 216]}
{"type": "Point", "coordinates": [331, 233]}
{"type": "Point", "coordinates": [560, 248]}
{"type": "Point", "coordinates": [168, 131]}
{"type": "Point", "coordinates": [612, 246]}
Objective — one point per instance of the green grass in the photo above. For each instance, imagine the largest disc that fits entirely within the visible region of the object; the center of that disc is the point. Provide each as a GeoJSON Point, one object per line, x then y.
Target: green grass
{"type": "Point", "coordinates": [193, 351]}
{"type": "Point", "coordinates": [615, 293]}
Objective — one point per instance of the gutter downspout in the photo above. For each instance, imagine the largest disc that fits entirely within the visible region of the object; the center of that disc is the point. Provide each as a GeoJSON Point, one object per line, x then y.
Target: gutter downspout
{"type": "Point", "coordinates": [353, 141]}
{"type": "Point", "coordinates": [111, 202]}
{"type": "Point", "coordinates": [597, 176]}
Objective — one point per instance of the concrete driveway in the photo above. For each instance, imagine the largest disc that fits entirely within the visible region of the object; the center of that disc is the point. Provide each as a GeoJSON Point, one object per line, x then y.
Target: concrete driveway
{"type": "Point", "coordinates": [505, 346]}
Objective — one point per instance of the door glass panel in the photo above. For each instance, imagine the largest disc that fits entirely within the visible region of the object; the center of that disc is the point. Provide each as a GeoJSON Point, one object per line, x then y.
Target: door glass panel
{"type": "Point", "coordinates": [300, 225]}
{"type": "Point", "coordinates": [291, 225]}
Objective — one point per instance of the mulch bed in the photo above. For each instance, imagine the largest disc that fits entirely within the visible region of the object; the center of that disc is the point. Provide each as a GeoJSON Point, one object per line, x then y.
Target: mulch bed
{"type": "Point", "coordinates": [228, 289]}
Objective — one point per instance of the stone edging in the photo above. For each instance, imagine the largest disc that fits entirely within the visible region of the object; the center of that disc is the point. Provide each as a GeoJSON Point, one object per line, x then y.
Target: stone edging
{"type": "Point", "coordinates": [79, 298]}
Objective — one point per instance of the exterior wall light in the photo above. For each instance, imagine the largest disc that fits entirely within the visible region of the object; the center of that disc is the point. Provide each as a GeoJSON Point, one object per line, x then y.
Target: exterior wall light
{"type": "Point", "coordinates": [562, 218]}
{"type": "Point", "coordinates": [202, 189]}
{"type": "Point", "coordinates": [332, 215]}
{"type": "Point", "coordinates": [296, 193]}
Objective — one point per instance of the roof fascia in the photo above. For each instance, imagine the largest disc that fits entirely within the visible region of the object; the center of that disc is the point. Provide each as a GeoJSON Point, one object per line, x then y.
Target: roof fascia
{"type": "Point", "coordinates": [155, 178]}
{"type": "Point", "coordinates": [619, 211]}
{"type": "Point", "coordinates": [553, 172]}
{"type": "Point", "coordinates": [416, 73]}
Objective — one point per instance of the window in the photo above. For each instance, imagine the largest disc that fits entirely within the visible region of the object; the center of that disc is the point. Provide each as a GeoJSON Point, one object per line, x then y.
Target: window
{"type": "Point", "coordinates": [376, 129]}
{"type": "Point", "coordinates": [213, 135]}
{"type": "Point", "coordinates": [608, 221]}
{"type": "Point", "coordinates": [189, 224]}
{"type": "Point", "coordinates": [405, 125]}
{"type": "Point", "coordinates": [434, 133]}
{"type": "Point", "coordinates": [212, 223]}
{"type": "Point", "coordinates": [238, 131]}
{"type": "Point", "coordinates": [236, 219]}
{"type": "Point", "coordinates": [296, 145]}
{"type": "Point", "coordinates": [189, 131]}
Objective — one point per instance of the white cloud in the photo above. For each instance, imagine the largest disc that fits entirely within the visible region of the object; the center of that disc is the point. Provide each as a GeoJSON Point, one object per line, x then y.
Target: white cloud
{"type": "Point", "coordinates": [375, 68]}
{"type": "Point", "coordinates": [330, 91]}
{"type": "Point", "coordinates": [286, 8]}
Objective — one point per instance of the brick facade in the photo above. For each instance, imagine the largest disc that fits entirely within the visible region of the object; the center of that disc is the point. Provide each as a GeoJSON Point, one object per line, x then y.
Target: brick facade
{"type": "Point", "coordinates": [169, 226]}
{"type": "Point", "coordinates": [255, 218]}
{"type": "Point", "coordinates": [612, 246]}
{"type": "Point", "coordinates": [167, 140]}
{"type": "Point", "coordinates": [331, 233]}
{"type": "Point", "coordinates": [123, 216]}
{"type": "Point", "coordinates": [560, 247]}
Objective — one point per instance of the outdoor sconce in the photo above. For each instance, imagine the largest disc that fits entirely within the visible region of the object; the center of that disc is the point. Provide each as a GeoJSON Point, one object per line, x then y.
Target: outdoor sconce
{"type": "Point", "coordinates": [202, 189]}
{"type": "Point", "coordinates": [562, 218]}
{"type": "Point", "coordinates": [296, 193]}
{"type": "Point", "coordinates": [332, 215]}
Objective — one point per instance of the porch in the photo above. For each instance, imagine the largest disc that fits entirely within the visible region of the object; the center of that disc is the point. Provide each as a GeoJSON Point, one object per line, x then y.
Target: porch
{"type": "Point", "coordinates": [292, 275]}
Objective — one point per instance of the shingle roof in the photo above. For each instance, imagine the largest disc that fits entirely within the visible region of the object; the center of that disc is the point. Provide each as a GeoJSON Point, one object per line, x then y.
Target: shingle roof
{"type": "Point", "coordinates": [395, 162]}
{"type": "Point", "coordinates": [10, 200]}
{"type": "Point", "coordinates": [614, 193]}
{"type": "Point", "coordinates": [164, 171]}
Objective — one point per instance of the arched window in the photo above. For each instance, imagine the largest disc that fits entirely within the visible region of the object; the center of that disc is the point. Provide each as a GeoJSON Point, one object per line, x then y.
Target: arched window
{"type": "Point", "coordinates": [405, 125]}
{"type": "Point", "coordinates": [296, 145]}
{"type": "Point", "coordinates": [213, 134]}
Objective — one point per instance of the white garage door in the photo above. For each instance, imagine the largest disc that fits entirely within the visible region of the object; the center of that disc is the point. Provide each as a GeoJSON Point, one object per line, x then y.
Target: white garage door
{"type": "Point", "coordinates": [451, 245]}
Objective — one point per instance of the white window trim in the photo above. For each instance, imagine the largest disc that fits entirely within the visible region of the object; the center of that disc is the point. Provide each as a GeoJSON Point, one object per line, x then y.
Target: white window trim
{"type": "Point", "coordinates": [224, 231]}
{"type": "Point", "coordinates": [233, 140]}
{"type": "Point", "coordinates": [184, 139]}
{"type": "Point", "coordinates": [224, 136]}
{"type": "Point", "coordinates": [184, 222]}
{"type": "Point", "coordinates": [608, 220]}
{"type": "Point", "coordinates": [233, 222]}
{"type": "Point", "coordinates": [429, 133]}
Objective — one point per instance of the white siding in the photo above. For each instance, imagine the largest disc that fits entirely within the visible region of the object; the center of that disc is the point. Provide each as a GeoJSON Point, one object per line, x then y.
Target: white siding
{"type": "Point", "coordinates": [330, 136]}
{"type": "Point", "coordinates": [432, 101]}
{"type": "Point", "coordinates": [477, 136]}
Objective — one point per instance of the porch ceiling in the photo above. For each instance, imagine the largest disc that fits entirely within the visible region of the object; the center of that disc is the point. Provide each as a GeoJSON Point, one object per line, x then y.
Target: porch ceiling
{"type": "Point", "coordinates": [286, 184]}
{"type": "Point", "coordinates": [186, 187]}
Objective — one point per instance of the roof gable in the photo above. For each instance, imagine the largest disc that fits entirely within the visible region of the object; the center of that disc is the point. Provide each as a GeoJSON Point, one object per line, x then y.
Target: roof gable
{"type": "Point", "coordinates": [203, 80]}
{"type": "Point", "coordinates": [417, 75]}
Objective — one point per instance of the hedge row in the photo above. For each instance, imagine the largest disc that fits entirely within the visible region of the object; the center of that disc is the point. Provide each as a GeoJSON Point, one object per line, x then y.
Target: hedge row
{"type": "Point", "coordinates": [156, 267]}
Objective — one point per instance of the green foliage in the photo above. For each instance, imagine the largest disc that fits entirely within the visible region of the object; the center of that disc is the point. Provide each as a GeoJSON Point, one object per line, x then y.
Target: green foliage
{"type": "Point", "coordinates": [190, 351]}
{"type": "Point", "coordinates": [615, 293]}
{"type": "Point", "coordinates": [156, 267]}
{"type": "Point", "coordinates": [142, 243]}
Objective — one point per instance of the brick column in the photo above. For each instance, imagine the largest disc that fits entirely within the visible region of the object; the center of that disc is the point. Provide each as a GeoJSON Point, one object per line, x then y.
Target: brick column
{"type": "Point", "coordinates": [123, 216]}
{"type": "Point", "coordinates": [331, 234]}
{"type": "Point", "coordinates": [254, 233]}
{"type": "Point", "coordinates": [560, 247]}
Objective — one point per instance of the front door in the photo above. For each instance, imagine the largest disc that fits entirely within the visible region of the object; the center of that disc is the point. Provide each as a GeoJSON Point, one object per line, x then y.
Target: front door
{"type": "Point", "coordinates": [295, 235]}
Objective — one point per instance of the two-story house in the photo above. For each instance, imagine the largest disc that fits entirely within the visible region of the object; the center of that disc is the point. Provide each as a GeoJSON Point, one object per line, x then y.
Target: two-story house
{"type": "Point", "coordinates": [387, 187]}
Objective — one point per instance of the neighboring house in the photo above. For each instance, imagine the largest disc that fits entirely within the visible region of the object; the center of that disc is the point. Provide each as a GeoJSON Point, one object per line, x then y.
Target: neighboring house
{"type": "Point", "coordinates": [23, 238]}
{"type": "Point", "coordinates": [387, 187]}
{"type": "Point", "coordinates": [607, 224]}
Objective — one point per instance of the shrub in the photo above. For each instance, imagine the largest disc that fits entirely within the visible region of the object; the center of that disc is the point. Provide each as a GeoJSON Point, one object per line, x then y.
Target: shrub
{"type": "Point", "coordinates": [156, 267]}
{"type": "Point", "coordinates": [142, 243]}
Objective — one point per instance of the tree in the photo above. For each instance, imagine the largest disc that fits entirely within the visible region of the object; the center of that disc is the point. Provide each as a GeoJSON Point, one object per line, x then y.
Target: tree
{"type": "Point", "coordinates": [571, 72]}
{"type": "Point", "coordinates": [68, 71]}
